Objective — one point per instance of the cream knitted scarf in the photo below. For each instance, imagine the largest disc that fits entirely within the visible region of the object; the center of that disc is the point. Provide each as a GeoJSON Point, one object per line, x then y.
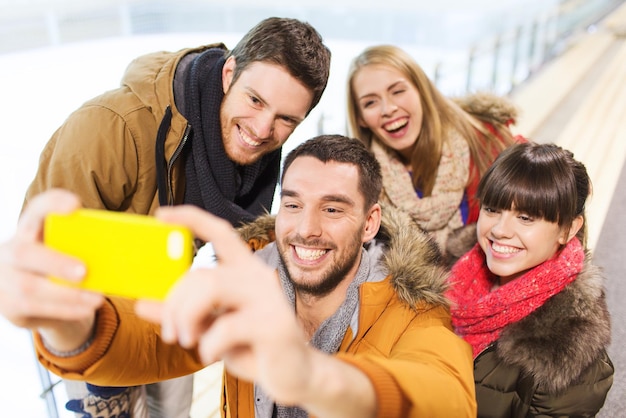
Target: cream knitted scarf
{"type": "Point", "coordinates": [439, 213]}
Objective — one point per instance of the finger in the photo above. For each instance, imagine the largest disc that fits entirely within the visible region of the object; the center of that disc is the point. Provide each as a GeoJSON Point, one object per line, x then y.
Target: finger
{"type": "Point", "coordinates": [229, 247]}
{"type": "Point", "coordinates": [34, 257]}
{"type": "Point", "coordinates": [204, 294]}
{"type": "Point", "coordinates": [29, 298]}
{"type": "Point", "coordinates": [30, 225]}
{"type": "Point", "coordinates": [191, 307]}
{"type": "Point", "coordinates": [149, 310]}
{"type": "Point", "coordinates": [25, 250]}
{"type": "Point", "coordinates": [154, 312]}
{"type": "Point", "coordinates": [225, 337]}
{"type": "Point", "coordinates": [66, 303]}
{"type": "Point", "coordinates": [264, 318]}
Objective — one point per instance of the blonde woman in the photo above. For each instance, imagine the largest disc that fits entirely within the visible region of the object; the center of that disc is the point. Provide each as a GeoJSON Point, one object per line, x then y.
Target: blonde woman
{"type": "Point", "coordinates": [432, 149]}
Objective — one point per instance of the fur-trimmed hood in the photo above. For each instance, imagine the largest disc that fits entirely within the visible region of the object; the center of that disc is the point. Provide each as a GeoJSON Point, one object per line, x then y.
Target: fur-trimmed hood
{"type": "Point", "coordinates": [410, 257]}
{"type": "Point", "coordinates": [558, 341]}
{"type": "Point", "coordinates": [489, 107]}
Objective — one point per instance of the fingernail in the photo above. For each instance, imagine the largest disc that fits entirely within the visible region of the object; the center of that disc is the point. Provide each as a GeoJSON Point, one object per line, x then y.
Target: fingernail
{"type": "Point", "coordinates": [77, 272]}
{"type": "Point", "coordinates": [185, 340]}
{"type": "Point", "coordinates": [166, 332]}
{"type": "Point", "coordinates": [91, 298]}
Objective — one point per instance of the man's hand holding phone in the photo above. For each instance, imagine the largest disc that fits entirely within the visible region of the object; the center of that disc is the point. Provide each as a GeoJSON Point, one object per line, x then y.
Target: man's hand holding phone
{"type": "Point", "coordinates": [28, 298]}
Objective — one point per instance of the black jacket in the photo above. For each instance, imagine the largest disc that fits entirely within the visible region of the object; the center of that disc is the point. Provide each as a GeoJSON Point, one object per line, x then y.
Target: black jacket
{"type": "Point", "coordinates": [553, 362]}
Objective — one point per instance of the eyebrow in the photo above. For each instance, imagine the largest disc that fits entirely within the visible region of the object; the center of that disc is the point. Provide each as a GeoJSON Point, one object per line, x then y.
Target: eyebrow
{"type": "Point", "coordinates": [391, 87]}
{"type": "Point", "coordinates": [337, 198]}
{"type": "Point", "coordinates": [256, 94]}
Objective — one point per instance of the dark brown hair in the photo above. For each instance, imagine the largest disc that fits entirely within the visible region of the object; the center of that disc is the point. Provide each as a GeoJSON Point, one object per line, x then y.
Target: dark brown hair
{"type": "Point", "coordinates": [342, 149]}
{"type": "Point", "coordinates": [290, 43]}
{"type": "Point", "coordinates": [541, 180]}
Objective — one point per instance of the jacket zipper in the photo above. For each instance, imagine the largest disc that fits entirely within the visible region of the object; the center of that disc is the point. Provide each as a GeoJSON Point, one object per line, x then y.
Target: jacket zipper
{"type": "Point", "coordinates": [170, 164]}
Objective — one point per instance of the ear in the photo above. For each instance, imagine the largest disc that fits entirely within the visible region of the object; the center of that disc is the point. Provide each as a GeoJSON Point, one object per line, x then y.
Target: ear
{"type": "Point", "coordinates": [573, 230]}
{"type": "Point", "coordinates": [372, 223]}
{"type": "Point", "coordinates": [228, 71]}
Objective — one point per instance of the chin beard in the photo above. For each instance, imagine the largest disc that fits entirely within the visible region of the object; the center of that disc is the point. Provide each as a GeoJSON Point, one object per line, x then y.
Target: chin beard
{"type": "Point", "coordinates": [331, 278]}
{"type": "Point", "coordinates": [329, 282]}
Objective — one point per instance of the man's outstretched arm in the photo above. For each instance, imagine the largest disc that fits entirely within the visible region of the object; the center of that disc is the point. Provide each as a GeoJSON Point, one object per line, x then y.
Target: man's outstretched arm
{"type": "Point", "coordinates": [237, 312]}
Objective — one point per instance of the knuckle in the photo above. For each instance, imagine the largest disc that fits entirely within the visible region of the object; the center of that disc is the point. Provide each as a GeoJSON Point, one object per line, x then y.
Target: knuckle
{"type": "Point", "coordinates": [13, 252]}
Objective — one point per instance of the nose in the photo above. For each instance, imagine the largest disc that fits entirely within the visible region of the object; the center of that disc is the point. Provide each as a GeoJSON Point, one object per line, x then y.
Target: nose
{"type": "Point", "coordinates": [504, 226]}
{"type": "Point", "coordinates": [309, 224]}
{"type": "Point", "coordinates": [265, 125]}
{"type": "Point", "coordinates": [388, 107]}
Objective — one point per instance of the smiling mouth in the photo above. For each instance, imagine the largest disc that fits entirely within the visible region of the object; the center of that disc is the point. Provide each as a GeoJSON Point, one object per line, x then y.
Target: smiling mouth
{"type": "Point", "coordinates": [395, 125]}
{"type": "Point", "coordinates": [504, 249]}
{"type": "Point", "coordinates": [248, 139]}
{"type": "Point", "coordinates": [309, 254]}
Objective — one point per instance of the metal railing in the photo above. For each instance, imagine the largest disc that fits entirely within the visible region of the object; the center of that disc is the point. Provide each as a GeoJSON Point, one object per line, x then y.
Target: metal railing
{"type": "Point", "coordinates": [498, 64]}
{"type": "Point", "coordinates": [501, 63]}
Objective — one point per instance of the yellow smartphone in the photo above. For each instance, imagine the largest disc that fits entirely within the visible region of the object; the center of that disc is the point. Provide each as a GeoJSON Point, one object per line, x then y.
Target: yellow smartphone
{"type": "Point", "coordinates": [129, 255]}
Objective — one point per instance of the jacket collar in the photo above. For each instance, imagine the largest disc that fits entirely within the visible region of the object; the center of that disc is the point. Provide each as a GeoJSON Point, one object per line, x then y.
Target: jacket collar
{"type": "Point", "coordinates": [151, 78]}
{"type": "Point", "coordinates": [409, 256]}
{"type": "Point", "coordinates": [489, 107]}
{"type": "Point", "coordinates": [558, 341]}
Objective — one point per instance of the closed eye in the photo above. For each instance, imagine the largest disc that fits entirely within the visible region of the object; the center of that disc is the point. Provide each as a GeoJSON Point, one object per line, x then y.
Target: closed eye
{"type": "Point", "coordinates": [489, 210]}
{"type": "Point", "coordinates": [525, 218]}
{"type": "Point", "coordinates": [289, 120]}
{"type": "Point", "coordinates": [255, 100]}
{"type": "Point", "coordinates": [368, 103]}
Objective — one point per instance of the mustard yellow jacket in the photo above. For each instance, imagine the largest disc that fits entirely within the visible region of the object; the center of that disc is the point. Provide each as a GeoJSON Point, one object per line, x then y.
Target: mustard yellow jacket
{"type": "Point", "coordinates": [404, 341]}
{"type": "Point", "coordinates": [105, 150]}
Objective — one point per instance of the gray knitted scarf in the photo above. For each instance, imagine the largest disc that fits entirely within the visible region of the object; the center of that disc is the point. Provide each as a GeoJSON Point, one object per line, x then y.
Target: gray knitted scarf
{"type": "Point", "coordinates": [331, 332]}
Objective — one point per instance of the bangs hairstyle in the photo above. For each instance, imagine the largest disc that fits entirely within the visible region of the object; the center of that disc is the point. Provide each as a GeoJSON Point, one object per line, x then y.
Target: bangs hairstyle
{"type": "Point", "coordinates": [541, 180]}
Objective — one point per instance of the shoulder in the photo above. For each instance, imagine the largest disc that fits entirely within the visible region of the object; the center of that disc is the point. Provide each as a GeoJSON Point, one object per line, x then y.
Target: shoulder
{"type": "Point", "coordinates": [158, 59]}
{"type": "Point", "coordinates": [562, 338]}
{"type": "Point", "coordinates": [259, 232]}
{"type": "Point", "coordinates": [412, 259]}
{"type": "Point", "coordinates": [489, 107]}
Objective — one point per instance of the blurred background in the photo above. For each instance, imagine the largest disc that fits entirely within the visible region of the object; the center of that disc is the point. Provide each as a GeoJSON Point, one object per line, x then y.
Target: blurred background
{"type": "Point", "coordinates": [55, 54]}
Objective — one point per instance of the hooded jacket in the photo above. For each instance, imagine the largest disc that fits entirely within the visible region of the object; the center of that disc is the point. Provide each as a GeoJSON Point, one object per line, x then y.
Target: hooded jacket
{"type": "Point", "coordinates": [452, 203]}
{"type": "Point", "coordinates": [544, 366]}
{"type": "Point", "coordinates": [497, 114]}
{"type": "Point", "coordinates": [105, 150]}
{"type": "Point", "coordinates": [404, 340]}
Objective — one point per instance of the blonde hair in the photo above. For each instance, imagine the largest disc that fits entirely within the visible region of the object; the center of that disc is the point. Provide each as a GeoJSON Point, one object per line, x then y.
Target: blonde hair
{"type": "Point", "coordinates": [441, 115]}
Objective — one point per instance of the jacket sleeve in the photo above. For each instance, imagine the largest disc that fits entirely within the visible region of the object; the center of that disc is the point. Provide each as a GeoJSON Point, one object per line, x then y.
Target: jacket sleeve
{"type": "Point", "coordinates": [429, 373]}
{"type": "Point", "coordinates": [124, 352]}
{"type": "Point", "coordinates": [582, 399]}
{"type": "Point", "coordinates": [93, 154]}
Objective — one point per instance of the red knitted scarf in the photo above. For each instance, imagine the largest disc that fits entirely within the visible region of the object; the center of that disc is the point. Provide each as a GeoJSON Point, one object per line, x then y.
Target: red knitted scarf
{"type": "Point", "coordinates": [479, 314]}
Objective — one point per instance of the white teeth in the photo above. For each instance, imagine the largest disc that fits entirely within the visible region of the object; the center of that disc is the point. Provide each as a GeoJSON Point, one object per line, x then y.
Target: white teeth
{"type": "Point", "coordinates": [396, 125]}
{"type": "Point", "coordinates": [307, 254]}
{"type": "Point", "coordinates": [504, 249]}
{"type": "Point", "coordinates": [249, 140]}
